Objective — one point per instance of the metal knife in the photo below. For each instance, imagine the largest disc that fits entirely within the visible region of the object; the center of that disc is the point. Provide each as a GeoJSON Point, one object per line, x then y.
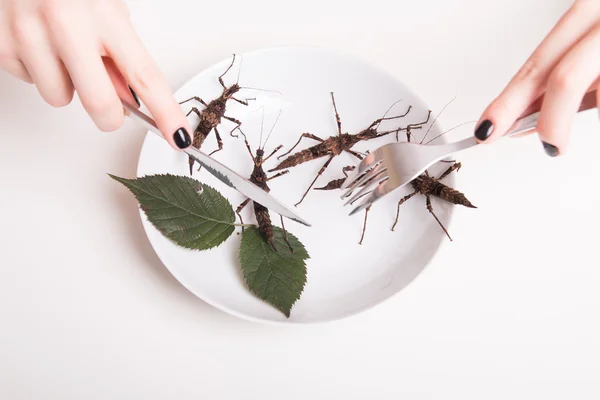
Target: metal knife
{"type": "Point", "coordinates": [221, 172]}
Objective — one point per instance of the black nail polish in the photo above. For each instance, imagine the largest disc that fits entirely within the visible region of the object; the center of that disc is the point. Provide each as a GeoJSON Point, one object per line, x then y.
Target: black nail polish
{"type": "Point", "coordinates": [135, 97]}
{"type": "Point", "coordinates": [484, 130]}
{"type": "Point", "coordinates": [551, 150]}
{"type": "Point", "coordinates": [182, 138]}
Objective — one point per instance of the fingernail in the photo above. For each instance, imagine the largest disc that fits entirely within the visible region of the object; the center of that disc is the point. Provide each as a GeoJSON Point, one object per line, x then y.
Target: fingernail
{"type": "Point", "coordinates": [484, 130]}
{"type": "Point", "coordinates": [135, 97]}
{"type": "Point", "coordinates": [182, 138]}
{"type": "Point", "coordinates": [551, 150]}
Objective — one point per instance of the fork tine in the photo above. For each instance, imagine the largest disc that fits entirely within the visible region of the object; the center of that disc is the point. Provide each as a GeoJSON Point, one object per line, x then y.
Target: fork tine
{"type": "Point", "coordinates": [368, 185]}
{"type": "Point", "coordinates": [360, 170]}
{"type": "Point", "coordinates": [382, 189]}
{"type": "Point", "coordinates": [376, 180]}
{"type": "Point", "coordinates": [369, 182]}
{"type": "Point", "coordinates": [367, 176]}
{"type": "Point", "coordinates": [366, 163]}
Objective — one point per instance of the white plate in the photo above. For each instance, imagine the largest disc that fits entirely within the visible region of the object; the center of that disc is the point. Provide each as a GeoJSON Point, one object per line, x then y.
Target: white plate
{"type": "Point", "coordinates": [344, 277]}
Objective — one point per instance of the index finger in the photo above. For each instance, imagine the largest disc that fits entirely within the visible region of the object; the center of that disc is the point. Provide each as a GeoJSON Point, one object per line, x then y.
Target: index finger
{"type": "Point", "coordinates": [145, 78]}
{"type": "Point", "coordinates": [531, 80]}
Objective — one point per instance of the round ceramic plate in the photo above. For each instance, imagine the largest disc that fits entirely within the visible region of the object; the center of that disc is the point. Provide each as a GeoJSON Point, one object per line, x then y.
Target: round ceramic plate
{"type": "Point", "coordinates": [344, 277]}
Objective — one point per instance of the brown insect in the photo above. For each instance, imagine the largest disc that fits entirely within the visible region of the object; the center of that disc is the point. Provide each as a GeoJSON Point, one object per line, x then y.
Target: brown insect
{"type": "Point", "coordinates": [259, 178]}
{"type": "Point", "coordinates": [428, 186]}
{"type": "Point", "coordinates": [214, 112]}
{"type": "Point", "coordinates": [335, 145]}
{"type": "Point", "coordinates": [424, 184]}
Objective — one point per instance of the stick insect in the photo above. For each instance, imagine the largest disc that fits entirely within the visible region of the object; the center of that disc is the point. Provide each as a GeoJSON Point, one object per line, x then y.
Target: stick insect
{"type": "Point", "coordinates": [428, 186]}
{"type": "Point", "coordinates": [214, 112]}
{"type": "Point", "coordinates": [259, 178]}
{"type": "Point", "coordinates": [424, 184]}
{"type": "Point", "coordinates": [334, 145]}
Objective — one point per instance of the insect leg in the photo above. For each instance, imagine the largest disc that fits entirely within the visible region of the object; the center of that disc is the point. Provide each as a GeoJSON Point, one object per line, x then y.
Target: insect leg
{"type": "Point", "coordinates": [435, 216]}
{"type": "Point", "coordinates": [347, 169]}
{"type": "Point", "coordinates": [191, 162]}
{"type": "Point", "coordinates": [455, 167]}
{"type": "Point", "coordinates": [402, 200]}
{"type": "Point", "coordinates": [364, 225]}
{"type": "Point", "coordinates": [226, 71]}
{"type": "Point", "coordinates": [355, 154]}
{"type": "Point", "coordinates": [235, 121]}
{"type": "Point", "coordinates": [278, 174]}
{"type": "Point", "coordinates": [397, 131]}
{"type": "Point", "coordinates": [285, 234]}
{"type": "Point", "coordinates": [337, 183]}
{"type": "Point", "coordinates": [219, 142]}
{"type": "Point", "coordinates": [323, 168]}
{"type": "Point", "coordinates": [195, 111]}
{"type": "Point", "coordinates": [337, 116]}
{"type": "Point", "coordinates": [410, 127]}
{"type": "Point", "coordinates": [304, 135]}
{"type": "Point", "coordinates": [239, 209]}
{"type": "Point", "coordinates": [248, 146]}
{"type": "Point", "coordinates": [408, 134]}
{"type": "Point", "coordinates": [273, 152]}
{"type": "Point", "coordinates": [378, 121]}
{"type": "Point", "coordinates": [408, 131]}
{"type": "Point", "coordinates": [198, 99]}
{"type": "Point", "coordinates": [244, 102]}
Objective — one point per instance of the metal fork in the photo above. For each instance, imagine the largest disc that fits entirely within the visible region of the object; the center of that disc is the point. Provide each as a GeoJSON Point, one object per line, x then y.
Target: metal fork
{"type": "Point", "coordinates": [396, 164]}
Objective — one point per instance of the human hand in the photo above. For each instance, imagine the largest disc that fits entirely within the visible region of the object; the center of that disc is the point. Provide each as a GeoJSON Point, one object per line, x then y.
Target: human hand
{"type": "Point", "coordinates": [88, 47]}
{"type": "Point", "coordinates": [559, 73]}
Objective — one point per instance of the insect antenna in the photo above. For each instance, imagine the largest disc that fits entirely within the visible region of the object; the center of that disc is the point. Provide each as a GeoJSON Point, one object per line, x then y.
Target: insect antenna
{"type": "Point", "coordinates": [226, 71]}
{"type": "Point", "coordinates": [386, 113]}
{"type": "Point", "coordinates": [239, 71]}
{"type": "Point", "coordinates": [248, 87]}
{"type": "Point", "coordinates": [262, 121]}
{"type": "Point", "coordinates": [435, 119]}
{"type": "Point", "coordinates": [449, 130]}
{"type": "Point", "coordinates": [260, 90]}
{"type": "Point", "coordinates": [273, 127]}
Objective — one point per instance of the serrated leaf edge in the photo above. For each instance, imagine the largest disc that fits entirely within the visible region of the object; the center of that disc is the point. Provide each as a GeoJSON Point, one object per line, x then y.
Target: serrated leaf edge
{"type": "Point", "coordinates": [302, 261]}
{"type": "Point", "coordinates": [201, 187]}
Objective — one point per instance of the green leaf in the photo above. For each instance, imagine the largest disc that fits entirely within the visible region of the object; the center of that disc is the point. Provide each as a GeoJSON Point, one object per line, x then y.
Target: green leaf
{"type": "Point", "coordinates": [277, 277]}
{"type": "Point", "coordinates": [173, 205]}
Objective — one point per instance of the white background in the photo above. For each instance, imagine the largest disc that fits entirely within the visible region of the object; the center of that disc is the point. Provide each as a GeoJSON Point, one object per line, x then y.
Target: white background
{"type": "Point", "coordinates": [507, 310]}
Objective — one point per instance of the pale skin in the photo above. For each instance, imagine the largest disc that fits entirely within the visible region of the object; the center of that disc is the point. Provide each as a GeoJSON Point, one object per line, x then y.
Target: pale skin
{"type": "Point", "coordinates": [561, 70]}
{"type": "Point", "coordinates": [90, 48]}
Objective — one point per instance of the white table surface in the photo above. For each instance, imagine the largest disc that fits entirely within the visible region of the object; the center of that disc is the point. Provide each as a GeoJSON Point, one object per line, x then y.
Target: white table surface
{"type": "Point", "coordinates": [507, 310]}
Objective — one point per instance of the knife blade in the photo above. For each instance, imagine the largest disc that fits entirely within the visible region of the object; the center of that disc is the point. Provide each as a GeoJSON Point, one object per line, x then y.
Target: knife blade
{"type": "Point", "coordinates": [221, 171]}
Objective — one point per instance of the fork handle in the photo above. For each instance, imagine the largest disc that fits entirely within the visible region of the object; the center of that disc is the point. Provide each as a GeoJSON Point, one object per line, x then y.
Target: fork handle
{"type": "Point", "coordinates": [528, 123]}
{"type": "Point", "coordinates": [523, 125]}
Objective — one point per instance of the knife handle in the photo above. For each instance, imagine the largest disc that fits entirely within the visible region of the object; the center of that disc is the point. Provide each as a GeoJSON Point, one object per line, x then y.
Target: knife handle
{"type": "Point", "coordinates": [200, 157]}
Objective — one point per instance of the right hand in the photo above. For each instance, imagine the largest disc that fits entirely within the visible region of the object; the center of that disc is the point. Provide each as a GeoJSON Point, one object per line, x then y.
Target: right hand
{"type": "Point", "coordinates": [88, 47]}
{"type": "Point", "coordinates": [555, 78]}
